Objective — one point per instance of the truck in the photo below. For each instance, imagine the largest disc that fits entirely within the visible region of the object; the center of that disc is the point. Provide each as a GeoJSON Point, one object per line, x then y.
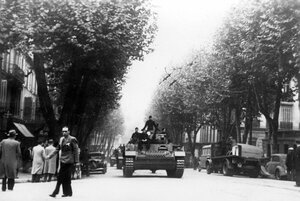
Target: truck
{"type": "Point", "coordinates": [161, 155]}
{"type": "Point", "coordinates": [240, 159]}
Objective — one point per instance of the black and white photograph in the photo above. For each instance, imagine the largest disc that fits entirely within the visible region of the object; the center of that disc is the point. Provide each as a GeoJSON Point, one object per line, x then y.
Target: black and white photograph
{"type": "Point", "coordinates": [152, 100]}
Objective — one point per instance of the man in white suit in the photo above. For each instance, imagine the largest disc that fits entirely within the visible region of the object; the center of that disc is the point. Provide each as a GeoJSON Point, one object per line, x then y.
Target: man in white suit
{"type": "Point", "coordinates": [38, 156]}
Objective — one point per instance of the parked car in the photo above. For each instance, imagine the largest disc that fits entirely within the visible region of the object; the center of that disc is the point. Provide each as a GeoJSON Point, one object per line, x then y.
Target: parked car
{"type": "Point", "coordinates": [205, 154]}
{"type": "Point", "coordinates": [97, 163]}
{"type": "Point", "coordinates": [276, 166]}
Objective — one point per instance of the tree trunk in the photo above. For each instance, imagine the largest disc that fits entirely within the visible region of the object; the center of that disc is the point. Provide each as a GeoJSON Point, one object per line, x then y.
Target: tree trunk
{"type": "Point", "coordinates": [70, 95]}
{"type": "Point", "coordinates": [250, 134]}
{"type": "Point", "coordinates": [44, 98]}
{"type": "Point", "coordinates": [237, 125]}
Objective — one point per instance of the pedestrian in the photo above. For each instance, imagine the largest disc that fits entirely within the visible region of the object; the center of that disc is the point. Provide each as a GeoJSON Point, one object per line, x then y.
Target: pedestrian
{"type": "Point", "coordinates": [10, 151]}
{"type": "Point", "coordinates": [297, 165]}
{"type": "Point", "coordinates": [38, 158]}
{"type": "Point", "coordinates": [50, 165]}
{"type": "Point", "coordinates": [294, 161]}
{"type": "Point", "coordinates": [69, 156]}
{"type": "Point", "coordinates": [290, 163]}
{"type": "Point", "coordinates": [84, 158]}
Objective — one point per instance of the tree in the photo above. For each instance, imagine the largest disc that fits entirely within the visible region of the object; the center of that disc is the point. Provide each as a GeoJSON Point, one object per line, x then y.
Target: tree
{"type": "Point", "coordinates": [267, 32]}
{"type": "Point", "coordinates": [255, 54]}
{"type": "Point", "coordinates": [82, 49]}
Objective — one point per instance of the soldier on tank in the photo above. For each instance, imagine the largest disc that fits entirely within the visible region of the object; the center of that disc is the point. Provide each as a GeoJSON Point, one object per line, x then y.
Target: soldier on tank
{"type": "Point", "coordinates": [134, 136]}
{"type": "Point", "coordinates": [143, 140]}
{"type": "Point", "coordinates": [164, 131]}
{"type": "Point", "coordinates": [150, 125]}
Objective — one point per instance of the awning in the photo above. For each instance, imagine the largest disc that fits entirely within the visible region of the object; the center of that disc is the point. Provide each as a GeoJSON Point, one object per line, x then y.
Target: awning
{"type": "Point", "coordinates": [22, 128]}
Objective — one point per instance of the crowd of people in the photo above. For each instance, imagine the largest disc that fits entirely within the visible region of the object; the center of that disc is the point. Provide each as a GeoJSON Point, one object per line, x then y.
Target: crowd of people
{"type": "Point", "coordinates": [44, 161]}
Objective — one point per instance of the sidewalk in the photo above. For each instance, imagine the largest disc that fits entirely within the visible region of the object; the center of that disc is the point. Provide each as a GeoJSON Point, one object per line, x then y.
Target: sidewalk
{"type": "Point", "coordinates": [22, 178]}
{"type": "Point", "coordinates": [25, 177]}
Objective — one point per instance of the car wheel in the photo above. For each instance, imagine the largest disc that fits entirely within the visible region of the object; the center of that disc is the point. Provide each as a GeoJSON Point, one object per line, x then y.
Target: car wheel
{"type": "Point", "coordinates": [277, 175]}
{"type": "Point", "coordinates": [226, 170]}
{"type": "Point", "coordinates": [208, 168]}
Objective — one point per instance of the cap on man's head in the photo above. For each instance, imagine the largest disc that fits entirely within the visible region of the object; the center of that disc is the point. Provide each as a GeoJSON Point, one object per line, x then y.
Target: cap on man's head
{"type": "Point", "coordinates": [291, 148]}
{"type": "Point", "coordinates": [50, 141]}
{"type": "Point", "coordinates": [136, 128]}
{"type": "Point", "coordinates": [65, 129]}
{"type": "Point", "coordinates": [150, 117]}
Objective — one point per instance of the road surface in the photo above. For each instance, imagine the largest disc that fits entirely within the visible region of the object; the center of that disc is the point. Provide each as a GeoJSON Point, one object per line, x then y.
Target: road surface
{"type": "Point", "coordinates": [145, 186]}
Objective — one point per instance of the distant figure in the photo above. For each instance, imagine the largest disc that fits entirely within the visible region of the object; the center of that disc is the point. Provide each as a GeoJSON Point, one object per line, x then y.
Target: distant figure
{"type": "Point", "coordinates": [84, 158]}
{"type": "Point", "coordinates": [297, 166]}
{"type": "Point", "coordinates": [143, 140]}
{"type": "Point", "coordinates": [38, 159]}
{"type": "Point", "coordinates": [230, 143]}
{"type": "Point", "coordinates": [135, 136]}
{"type": "Point", "coordinates": [290, 163]}
{"type": "Point", "coordinates": [50, 165]}
{"type": "Point", "coordinates": [164, 131]}
{"type": "Point", "coordinates": [10, 151]}
{"type": "Point", "coordinates": [150, 125]}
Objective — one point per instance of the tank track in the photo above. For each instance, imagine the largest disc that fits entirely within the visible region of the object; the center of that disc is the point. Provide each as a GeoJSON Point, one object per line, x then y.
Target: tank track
{"type": "Point", "coordinates": [178, 172]}
{"type": "Point", "coordinates": [128, 167]}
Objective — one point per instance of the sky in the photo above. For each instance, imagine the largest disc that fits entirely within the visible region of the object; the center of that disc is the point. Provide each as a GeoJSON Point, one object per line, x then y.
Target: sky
{"type": "Point", "coordinates": [183, 27]}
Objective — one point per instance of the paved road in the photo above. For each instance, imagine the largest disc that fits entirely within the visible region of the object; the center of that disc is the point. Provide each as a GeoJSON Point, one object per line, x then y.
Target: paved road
{"type": "Point", "coordinates": [145, 186]}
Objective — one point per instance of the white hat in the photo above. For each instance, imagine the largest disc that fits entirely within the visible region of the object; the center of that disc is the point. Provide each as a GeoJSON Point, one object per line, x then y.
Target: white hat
{"type": "Point", "coordinates": [65, 129]}
{"type": "Point", "coordinates": [291, 148]}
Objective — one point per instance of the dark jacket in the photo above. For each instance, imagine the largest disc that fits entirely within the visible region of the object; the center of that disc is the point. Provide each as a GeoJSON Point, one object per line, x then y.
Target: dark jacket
{"type": "Point", "coordinates": [150, 125]}
{"type": "Point", "coordinates": [297, 159]}
{"type": "Point", "coordinates": [10, 152]}
{"type": "Point", "coordinates": [69, 150]}
{"type": "Point", "coordinates": [134, 137]}
{"type": "Point", "coordinates": [290, 160]}
{"type": "Point", "coordinates": [143, 136]}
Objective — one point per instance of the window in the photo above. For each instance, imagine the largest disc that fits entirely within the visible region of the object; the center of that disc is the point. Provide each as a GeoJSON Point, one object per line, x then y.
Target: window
{"type": "Point", "coordinates": [3, 93]}
{"type": "Point", "coordinates": [286, 113]}
{"type": "Point", "coordinates": [285, 118]}
{"type": "Point", "coordinates": [275, 159]}
{"type": "Point", "coordinates": [27, 108]}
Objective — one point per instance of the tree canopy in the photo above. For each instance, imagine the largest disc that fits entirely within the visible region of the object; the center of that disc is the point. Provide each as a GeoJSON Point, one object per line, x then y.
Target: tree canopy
{"type": "Point", "coordinates": [255, 54]}
{"type": "Point", "coordinates": [82, 50]}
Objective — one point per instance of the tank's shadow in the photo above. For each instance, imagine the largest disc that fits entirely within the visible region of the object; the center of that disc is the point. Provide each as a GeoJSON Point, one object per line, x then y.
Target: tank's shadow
{"type": "Point", "coordinates": [144, 176]}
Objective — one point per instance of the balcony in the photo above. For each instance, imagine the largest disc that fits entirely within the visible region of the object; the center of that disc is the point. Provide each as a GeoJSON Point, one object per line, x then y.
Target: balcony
{"type": "Point", "coordinates": [286, 125]}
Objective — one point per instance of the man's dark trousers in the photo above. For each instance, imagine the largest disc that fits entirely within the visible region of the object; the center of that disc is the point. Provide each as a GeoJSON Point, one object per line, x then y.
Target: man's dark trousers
{"type": "Point", "coordinates": [64, 179]}
{"type": "Point", "coordinates": [10, 183]}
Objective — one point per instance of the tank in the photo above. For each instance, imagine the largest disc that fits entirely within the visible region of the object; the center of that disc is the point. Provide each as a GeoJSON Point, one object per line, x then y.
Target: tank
{"type": "Point", "coordinates": [160, 156]}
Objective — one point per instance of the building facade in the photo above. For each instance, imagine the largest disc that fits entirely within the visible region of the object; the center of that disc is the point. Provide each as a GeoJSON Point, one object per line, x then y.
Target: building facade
{"type": "Point", "coordinates": [288, 132]}
{"type": "Point", "coordinates": [18, 96]}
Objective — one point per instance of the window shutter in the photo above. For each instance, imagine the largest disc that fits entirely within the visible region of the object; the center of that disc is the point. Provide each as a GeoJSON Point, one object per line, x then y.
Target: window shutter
{"type": "Point", "coordinates": [3, 93]}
